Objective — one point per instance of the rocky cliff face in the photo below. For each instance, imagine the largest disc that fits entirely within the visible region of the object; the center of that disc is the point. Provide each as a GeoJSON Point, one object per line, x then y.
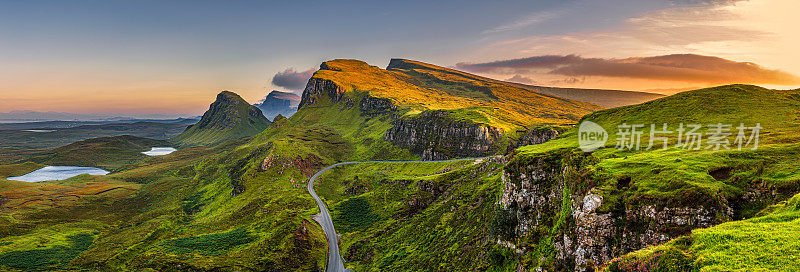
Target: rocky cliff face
{"type": "Point", "coordinates": [555, 202]}
{"type": "Point", "coordinates": [537, 136]}
{"type": "Point", "coordinates": [317, 88]}
{"type": "Point", "coordinates": [434, 135]}
{"type": "Point", "coordinates": [376, 106]}
{"type": "Point", "coordinates": [431, 134]}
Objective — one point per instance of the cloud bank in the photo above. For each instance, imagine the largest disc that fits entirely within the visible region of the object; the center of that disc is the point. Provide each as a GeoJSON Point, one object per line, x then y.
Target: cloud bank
{"type": "Point", "coordinates": [676, 67]}
{"type": "Point", "coordinates": [291, 79]}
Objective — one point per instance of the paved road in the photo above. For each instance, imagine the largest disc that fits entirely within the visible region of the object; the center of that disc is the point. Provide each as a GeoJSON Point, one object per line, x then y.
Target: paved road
{"type": "Point", "coordinates": [335, 261]}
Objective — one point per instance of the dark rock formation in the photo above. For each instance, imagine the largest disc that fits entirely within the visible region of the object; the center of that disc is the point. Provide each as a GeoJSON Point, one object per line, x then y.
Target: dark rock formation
{"type": "Point", "coordinates": [434, 135]}
{"type": "Point", "coordinates": [537, 136]}
{"type": "Point", "coordinates": [375, 106]}
{"type": "Point", "coordinates": [317, 87]}
{"type": "Point", "coordinates": [550, 193]}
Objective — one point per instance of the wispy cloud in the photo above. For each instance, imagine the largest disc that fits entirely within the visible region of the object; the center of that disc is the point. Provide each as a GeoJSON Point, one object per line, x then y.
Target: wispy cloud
{"type": "Point", "coordinates": [524, 22]}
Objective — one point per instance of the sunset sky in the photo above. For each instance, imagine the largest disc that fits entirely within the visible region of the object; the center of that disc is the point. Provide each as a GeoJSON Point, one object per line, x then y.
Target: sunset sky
{"type": "Point", "coordinates": [172, 57]}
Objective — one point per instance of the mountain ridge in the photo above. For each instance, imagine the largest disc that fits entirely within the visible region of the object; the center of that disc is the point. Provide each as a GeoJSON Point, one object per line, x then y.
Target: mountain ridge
{"type": "Point", "coordinates": [228, 117]}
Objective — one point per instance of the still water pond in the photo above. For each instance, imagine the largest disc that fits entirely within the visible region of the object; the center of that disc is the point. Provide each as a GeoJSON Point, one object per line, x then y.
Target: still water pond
{"type": "Point", "coordinates": [58, 173]}
{"type": "Point", "coordinates": [158, 151]}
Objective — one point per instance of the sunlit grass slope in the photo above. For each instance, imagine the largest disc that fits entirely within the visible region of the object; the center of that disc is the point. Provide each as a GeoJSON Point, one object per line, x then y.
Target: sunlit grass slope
{"type": "Point", "coordinates": [330, 132]}
{"type": "Point", "coordinates": [420, 86]}
{"type": "Point", "coordinates": [663, 174]}
{"type": "Point", "coordinates": [745, 180]}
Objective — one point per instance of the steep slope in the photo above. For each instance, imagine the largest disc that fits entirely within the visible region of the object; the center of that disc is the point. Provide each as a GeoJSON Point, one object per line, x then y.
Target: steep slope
{"type": "Point", "coordinates": [420, 86]}
{"type": "Point", "coordinates": [581, 210]}
{"type": "Point", "coordinates": [438, 112]}
{"type": "Point", "coordinates": [605, 98]}
{"type": "Point", "coordinates": [555, 208]}
{"type": "Point", "coordinates": [279, 103]}
{"type": "Point", "coordinates": [767, 242]}
{"type": "Point", "coordinates": [228, 118]}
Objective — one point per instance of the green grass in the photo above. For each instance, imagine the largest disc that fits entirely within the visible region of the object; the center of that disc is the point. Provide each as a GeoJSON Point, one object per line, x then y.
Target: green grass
{"type": "Point", "coordinates": [13, 170]}
{"type": "Point", "coordinates": [211, 244]}
{"type": "Point", "coordinates": [430, 216]}
{"type": "Point", "coordinates": [242, 205]}
{"type": "Point", "coordinates": [109, 153]}
{"type": "Point", "coordinates": [42, 259]}
{"type": "Point", "coordinates": [681, 174]}
{"type": "Point", "coordinates": [354, 213]}
{"type": "Point", "coordinates": [676, 177]}
{"type": "Point", "coordinates": [229, 118]}
{"type": "Point", "coordinates": [767, 242]}
{"type": "Point", "coordinates": [419, 86]}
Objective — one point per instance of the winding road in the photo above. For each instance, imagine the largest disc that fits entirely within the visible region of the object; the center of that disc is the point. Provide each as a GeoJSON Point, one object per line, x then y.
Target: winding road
{"type": "Point", "coordinates": [335, 261]}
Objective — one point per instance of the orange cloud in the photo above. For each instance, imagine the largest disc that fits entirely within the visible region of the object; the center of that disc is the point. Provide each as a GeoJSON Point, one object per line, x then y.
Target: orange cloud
{"type": "Point", "coordinates": [677, 67]}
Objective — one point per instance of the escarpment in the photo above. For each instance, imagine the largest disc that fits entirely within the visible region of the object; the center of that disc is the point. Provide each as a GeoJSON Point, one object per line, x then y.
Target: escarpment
{"type": "Point", "coordinates": [564, 217]}
{"type": "Point", "coordinates": [435, 135]}
{"type": "Point", "coordinates": [317, 87]}
{"type": "Point", "coordinates": [432, 134]}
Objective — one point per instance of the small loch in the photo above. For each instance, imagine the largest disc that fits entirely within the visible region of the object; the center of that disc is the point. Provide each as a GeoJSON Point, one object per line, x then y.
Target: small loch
{"type": "Point", "coordinates": [48, 173]}
{"type": "Point", "coordinates": [159, 151]}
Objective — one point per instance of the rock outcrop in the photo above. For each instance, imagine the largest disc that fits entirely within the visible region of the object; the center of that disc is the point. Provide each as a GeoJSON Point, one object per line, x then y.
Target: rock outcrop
{"type": "Point", "coordinates": [376, 106]}
{"type": "Point", "coordinates": [537, 136]}
{"type": "Point", "coordinates": [435, 135]}
{"type": "Point", "coordinates": [316, 88]}
{"type": "Point", "coordinates": [554, 200]}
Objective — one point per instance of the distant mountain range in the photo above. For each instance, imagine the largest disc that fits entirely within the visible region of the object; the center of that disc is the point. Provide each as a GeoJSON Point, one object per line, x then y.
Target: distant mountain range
{"type": "Point", "coordinates": [279, 103]}
{"type": "Point", "coordinates": [30, 116]}
{"type": "Point", "coordinates": [605, 98]}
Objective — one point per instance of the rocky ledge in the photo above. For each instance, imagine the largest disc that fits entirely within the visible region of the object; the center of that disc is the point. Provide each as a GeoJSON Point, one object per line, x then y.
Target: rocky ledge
{"type": "Point", "coordinates": [434, 135]}
{"type": "Point", "coordinates": [554, 201]}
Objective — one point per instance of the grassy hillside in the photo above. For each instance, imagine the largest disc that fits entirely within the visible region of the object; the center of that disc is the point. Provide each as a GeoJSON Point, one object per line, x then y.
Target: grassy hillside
{"type": "Point", "coordinates": [416, 216]}
{"type": "Point", "coordinates": [203, 209]}
{"type": "Point", "coordinates": [17, 144]}
{"type": "Point", "coordinates": [420, 86]}
{"type": "Point", "coordinates": [242, 205]}
{"type": "Point", "coordinates": [108, 153]}
{"type": "Point", "coordinates": [767, 242]}
{"type": "Point", "coordinates": [229, 117]}
{"type": "Point", "coordinates": [744, 181]}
